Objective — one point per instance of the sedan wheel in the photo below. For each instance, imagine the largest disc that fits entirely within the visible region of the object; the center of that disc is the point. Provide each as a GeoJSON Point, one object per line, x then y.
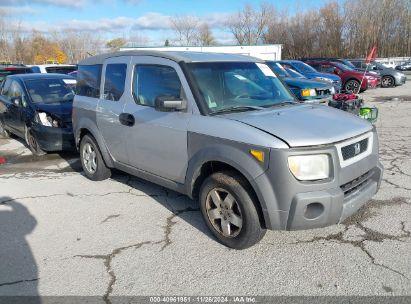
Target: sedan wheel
{"type": "Point", "coordinates": [31, 141]}
{"type": "Point", "coordinates": [352, 86]}
{"type": "Point", "coordinates": [224, 212]}
{"type": "Point", "coordinates": [387, 82]}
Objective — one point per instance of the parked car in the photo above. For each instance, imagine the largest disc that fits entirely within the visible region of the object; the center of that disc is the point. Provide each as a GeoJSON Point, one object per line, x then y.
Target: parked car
{"type": "Point", "coordinates": [11, 69]}
{"type": "Point", "coordinates": [223, 128]}
{"type": "Point", "coordinates": [311, 73]}
{"type": "Point", "coordinates": [37, 108]}
{"type": "Point", "coordinates": [334, 59]}
{"type": "Point", "coordinates": [53, 68]}
{"type": "Point", "coordinates": [351, 79]}
{"type": "Point", "coordinates": [388, 64]}
{"type": "Point", "coordinates": [303, 88]}
{"type": "Point", "coordinates": [389, 76]}
{"type": "Point", "coordinates": [404, 67]}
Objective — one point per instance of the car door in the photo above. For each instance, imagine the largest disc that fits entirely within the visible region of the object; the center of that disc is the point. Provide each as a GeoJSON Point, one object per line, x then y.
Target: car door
{"type": "Point", "coordinates": [157, 141]}
{"type": "Point", "coordinates": [110, 105]}
{"type": "Point", "coordinates": [14, 117]}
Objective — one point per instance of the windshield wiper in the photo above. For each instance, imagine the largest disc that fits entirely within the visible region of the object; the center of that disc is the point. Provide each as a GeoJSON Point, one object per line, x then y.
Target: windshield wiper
{"type": "Point", "coordinates": [237, 109]}
{"type": "Point", "coordinates": [280, 104]}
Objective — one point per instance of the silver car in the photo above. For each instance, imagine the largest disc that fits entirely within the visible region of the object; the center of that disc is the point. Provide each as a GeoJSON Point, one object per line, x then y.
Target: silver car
{"type": "Point", "coordinates": [389, 76]}
{"type": "Point", "coordinates": [224, 130]}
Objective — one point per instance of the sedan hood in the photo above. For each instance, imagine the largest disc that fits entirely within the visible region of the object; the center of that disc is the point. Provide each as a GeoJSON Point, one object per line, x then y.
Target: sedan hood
{"type": "Point", "coordinates": [324, 75]}
{"type": "Point", "coordinates": [306, 83]}
{"type": "Point", "coordinates": [305, 125]}
{"type": "Point", "coordinates": [60, 110]}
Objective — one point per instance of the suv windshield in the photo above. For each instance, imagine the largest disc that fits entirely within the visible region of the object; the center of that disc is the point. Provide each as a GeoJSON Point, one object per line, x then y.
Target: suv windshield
{"type": "Point", "coordinates": [52, 90]}
{"type": "Point", "coordinates": [303, 67]}
{"type": "Point", "coordinates": [240, 86]}
{"type": "Point", "coordinates": [295, 74]}
{"type": "Point", "coordinates": [278, 69]}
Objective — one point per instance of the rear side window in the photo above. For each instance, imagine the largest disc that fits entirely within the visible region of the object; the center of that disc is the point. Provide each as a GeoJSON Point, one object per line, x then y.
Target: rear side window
{"type": "Point", "coordinates": [152, 81]}
{"type": "Point", "coordinates": [61, 69]}
{"type": "Point", "coordinates": [114, 81]}
{"type": "Point", "coordinates": [88, 80]}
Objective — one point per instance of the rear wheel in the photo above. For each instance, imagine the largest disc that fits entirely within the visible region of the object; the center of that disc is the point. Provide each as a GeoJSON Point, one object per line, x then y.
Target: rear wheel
{"type": "Point", "coordinates": [229, 209]}
{"type": "Point", "coordinates": [92, 160]}
{"type": "Point", "coordinates": [3, 132]}
{"type": "Point", "coordinates": [387, 82]}
{"type": "Point", "coordinates": [32, 143]}
{"type": "Point", "coordinates": [352, 86]}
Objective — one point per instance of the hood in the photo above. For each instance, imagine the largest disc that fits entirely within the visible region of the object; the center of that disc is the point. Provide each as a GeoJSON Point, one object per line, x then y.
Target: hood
{"type": "Point", "coordinates": [324, 75]}
{"type": "Point", "coordinates": [305, 125]}
{"type": "Point", "coordinates": [306, 83]}
{"type": "Point", "coordinates": [60, 110]}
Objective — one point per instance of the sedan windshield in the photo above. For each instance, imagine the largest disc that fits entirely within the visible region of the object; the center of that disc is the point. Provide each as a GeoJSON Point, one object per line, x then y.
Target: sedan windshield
{"type": "Point", "coordinates": [238, 86]}
{"type": "Point", "coordinates": [51, 90]}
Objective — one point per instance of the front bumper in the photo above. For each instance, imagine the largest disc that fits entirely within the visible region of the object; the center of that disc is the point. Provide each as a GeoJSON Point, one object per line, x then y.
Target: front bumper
{"type": "Point", "coordinates": [53, 139]}
{"type": "Point", "coordinates": [289, 204]}
{"type": "Point", "coordinates": [400, 80]}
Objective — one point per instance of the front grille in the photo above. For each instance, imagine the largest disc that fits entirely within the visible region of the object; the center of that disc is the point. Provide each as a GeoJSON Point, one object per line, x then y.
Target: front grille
{"type": "Point", "coordinates": [356, 184]}
{"type": "Point", "coordinates": [353, 150]}
{"type": "Point", "coordinates": [323, 92]}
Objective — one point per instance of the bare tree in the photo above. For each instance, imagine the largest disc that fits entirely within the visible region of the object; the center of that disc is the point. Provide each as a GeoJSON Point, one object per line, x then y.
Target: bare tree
{"type": "Point", "coordinates": [186, 28]}
{"type": "Point", "coordinates": [249, 25]}
{"type": "Point", "coordinates": [205, 36]}
{"type": "Point", "coordinates": [115, 44]}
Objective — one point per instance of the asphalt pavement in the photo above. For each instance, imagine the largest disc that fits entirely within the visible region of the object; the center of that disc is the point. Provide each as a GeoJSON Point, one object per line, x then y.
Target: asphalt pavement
{"type": "Point", "coordinates": [62, 234]}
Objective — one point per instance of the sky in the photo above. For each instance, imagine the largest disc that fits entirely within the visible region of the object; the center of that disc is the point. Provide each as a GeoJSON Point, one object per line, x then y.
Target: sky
{"type": "Point", "coordinates": [143, 20]}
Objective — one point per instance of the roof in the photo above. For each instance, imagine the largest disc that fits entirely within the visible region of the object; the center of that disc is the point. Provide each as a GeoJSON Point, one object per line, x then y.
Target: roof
{"type": "Point", "coordinates": [30, 76]}
{"type": "Point", "coordinates": [176, 56]}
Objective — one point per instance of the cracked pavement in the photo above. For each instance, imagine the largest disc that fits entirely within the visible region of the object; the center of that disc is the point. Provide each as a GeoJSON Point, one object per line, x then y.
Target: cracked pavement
{"type": "Point", "coordinates": [62, 234]}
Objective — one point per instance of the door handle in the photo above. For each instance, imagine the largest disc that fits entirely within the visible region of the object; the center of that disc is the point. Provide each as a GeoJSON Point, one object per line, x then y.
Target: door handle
{"type": "Point", "coordinates": [127, 119]}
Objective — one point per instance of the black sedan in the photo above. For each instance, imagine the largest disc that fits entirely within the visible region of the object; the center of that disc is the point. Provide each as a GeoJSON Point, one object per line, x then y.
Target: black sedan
{"type": "Point", "coordinates": [37, 108]}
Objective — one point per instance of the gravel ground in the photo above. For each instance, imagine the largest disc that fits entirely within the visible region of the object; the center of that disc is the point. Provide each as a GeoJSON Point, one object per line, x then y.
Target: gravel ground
{"type": "Point", "coordinates": [62, 234]}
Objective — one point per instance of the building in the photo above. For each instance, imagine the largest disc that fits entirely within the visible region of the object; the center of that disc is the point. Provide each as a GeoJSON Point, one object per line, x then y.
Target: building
{"type": "Point", "coordinates": [265, 52]}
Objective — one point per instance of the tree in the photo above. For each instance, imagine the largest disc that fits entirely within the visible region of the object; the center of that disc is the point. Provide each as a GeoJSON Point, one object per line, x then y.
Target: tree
{"type": "Point", "coordinates": [205, 36]}
{"type": "Point", "coordinates": [185, 28]}
{"type": "Point", "coordinates": [115, 44]}
{"type": "Point", "coordinates": [249, 24]}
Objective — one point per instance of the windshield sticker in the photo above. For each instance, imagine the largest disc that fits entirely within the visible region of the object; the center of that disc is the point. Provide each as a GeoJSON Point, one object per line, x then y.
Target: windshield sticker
{"type": "Point", "coordinates": [69, 81]}
{"type": "Point", "coordinates": [266, 70]}
{"type": "Point", "coordinates": [240, 77]}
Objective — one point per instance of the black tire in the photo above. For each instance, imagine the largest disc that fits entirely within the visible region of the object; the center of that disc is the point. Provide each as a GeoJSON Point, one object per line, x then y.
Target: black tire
{"type": "Point", "coordinates": [352, 86]}
{"type": "Point", "coordinates": [387, 82]}
{"type": "Point", "coordinates": [3, 132]}
{"type": "Point", "coordinates": [32, 143]}
{"type": "Point", "coordinates": [95, 169]}
{"type": "Point", "coordinates": [237, 186]}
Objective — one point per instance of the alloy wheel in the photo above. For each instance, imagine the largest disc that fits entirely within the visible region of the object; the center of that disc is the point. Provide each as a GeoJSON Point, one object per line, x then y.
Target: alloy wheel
{"type": "Point", "coordinates": [352, 86]}
{"type": "Point", "coordinates": [89, 158]}
{"type": "Point", "coordinates": [387, 82]}
{"type": "Point", "coordinates": [224, 212]}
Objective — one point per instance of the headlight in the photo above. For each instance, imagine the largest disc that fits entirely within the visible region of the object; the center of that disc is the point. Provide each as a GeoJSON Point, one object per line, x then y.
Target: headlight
{"type": "Point", "coordinates": [323, 79]}
{"type": "Point", "coordinates": [369, 77]}
{"type": "Point", "coordinates": [47, 120]}
{"type": "Point", "coordinates": [309, 167]}
{"type": "Point", "coordinates": [332, 90]}
{"type": "Point", "coordinates": [308, 92]}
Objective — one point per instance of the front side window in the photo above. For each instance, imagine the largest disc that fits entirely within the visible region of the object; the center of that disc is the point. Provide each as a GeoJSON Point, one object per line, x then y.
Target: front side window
{"type": "Point", "coordinates": [52, 90]}
{"type": "Point", "coordinates": [154, 81]}
{"type": "Point", "coordinates": [238, 85]}
{"type": "Point", "coordinates": [88, 80]}
{"type": "Point", "coordinates": [114, 81]}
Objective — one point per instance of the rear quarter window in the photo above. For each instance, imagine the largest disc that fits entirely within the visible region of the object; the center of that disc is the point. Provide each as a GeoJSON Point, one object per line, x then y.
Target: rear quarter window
{"type": "Point", "coordinates": [88, 80]}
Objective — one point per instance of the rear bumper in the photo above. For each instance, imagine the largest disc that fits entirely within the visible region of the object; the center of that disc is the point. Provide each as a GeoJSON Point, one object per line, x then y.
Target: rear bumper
{"type": "Point", "coordinates": [53, 139]}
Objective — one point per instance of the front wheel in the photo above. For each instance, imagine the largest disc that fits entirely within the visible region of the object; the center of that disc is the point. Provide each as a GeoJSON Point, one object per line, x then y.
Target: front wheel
{"type": "Point", "coordinates": [229, 209]}
{"type": "Point", "coordinates": [32, 142]}
{"type": "Point", "coordinates": [92, 161]}
{"type": "Point", "coordinates": [352, 86]}
{"type": "Point", "coordinates": [387, 82]}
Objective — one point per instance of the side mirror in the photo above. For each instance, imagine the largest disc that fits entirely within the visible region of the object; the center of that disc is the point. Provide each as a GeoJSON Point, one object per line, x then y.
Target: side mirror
{"type": "Point", "coordinates": [17, 101]}
{"type": "Point", "coordinates": [169, 104]}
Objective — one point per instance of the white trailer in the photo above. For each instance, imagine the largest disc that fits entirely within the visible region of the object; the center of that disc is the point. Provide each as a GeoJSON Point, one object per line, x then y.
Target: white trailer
{"type": "Point", "coordinates": [265, 52]}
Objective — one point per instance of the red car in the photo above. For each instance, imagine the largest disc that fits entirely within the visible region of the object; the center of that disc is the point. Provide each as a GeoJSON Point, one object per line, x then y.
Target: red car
{"type": "Point", "coordinates": [351, 79]}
